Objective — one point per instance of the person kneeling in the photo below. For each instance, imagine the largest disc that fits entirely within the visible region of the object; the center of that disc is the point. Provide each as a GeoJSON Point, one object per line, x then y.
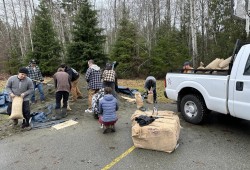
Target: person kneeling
{"type": "Point", "coordinates": [108, 107]}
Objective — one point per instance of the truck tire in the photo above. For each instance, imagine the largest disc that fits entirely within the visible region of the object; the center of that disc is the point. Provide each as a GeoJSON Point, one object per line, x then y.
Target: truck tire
{"type": "Point", "coordinates": [193, 109]}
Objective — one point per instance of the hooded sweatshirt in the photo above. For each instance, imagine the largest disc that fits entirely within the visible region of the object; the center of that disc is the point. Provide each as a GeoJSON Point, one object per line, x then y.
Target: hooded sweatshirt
{"type": "Point", "coordinates": [108, 107]}
{"type": "Point", "coordinates": [93, 77]}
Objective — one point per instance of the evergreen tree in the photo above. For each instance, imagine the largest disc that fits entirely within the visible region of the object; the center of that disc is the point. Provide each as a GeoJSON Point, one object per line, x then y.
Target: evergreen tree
{"type": "Point", "coordinates": [15, 61]}
{"type": "Point", "coordinates": [88, 42]}
{"type": "Point", "coordinates": [46, 47]}
{"type": "Point", "coordinates": [127, 50]}
{"type": "Point", "coordinates": [170, 52]}
{"type": "Point", "coordinates": [224, 28]}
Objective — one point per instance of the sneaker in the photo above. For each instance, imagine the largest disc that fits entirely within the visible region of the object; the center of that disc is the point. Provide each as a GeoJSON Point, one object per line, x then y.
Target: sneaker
{"type": "Point", "coordinates": [106, 130]}
{"type": "Point", "coordinates": [15, 121]}
{"type": "Point", "coordinates": [112, 128]}
{"type": "Point", "coordinates": [88, 111]}
{"type": "Point", "coordinates": [27, 128]}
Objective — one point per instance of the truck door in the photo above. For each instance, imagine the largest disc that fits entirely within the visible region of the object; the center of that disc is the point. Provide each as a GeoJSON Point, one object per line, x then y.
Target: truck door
{"type": "Point", "coordinates": [241, 89]}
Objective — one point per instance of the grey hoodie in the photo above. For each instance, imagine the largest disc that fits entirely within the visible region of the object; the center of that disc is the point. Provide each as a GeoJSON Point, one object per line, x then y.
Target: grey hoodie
{"type": "Point", "coordinates": [17, 86]}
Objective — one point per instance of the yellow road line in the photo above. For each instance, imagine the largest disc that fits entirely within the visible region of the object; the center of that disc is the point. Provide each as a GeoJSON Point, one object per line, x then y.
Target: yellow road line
{"type": "Point", "coordinates": [116, 160]}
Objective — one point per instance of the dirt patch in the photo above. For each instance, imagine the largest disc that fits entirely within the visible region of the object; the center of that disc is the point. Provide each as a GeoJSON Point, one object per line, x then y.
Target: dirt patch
{"type": "Point", "coordinates": [78, 107]}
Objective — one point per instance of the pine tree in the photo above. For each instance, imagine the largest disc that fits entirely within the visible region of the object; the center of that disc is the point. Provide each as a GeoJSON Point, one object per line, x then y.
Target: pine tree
{"type": "Point", "coordinates": [45, 43]}
{"type": "Point", "coordinates": [127, 49]}
{"type": "Point", "coordinates": [169, 53]}
{"type": "Point", "coordinates": [88, 41]}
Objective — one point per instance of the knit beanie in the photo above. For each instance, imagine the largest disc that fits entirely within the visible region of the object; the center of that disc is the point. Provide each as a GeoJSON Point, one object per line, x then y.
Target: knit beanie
{"type": "Point", "coordinates": [23, 70]}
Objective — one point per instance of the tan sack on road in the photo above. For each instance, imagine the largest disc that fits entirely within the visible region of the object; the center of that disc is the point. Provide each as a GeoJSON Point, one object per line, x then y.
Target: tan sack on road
{"type": "Point", "coordinates": [17, 108]}
{"type": "Point", "coordinates": [161, 135]}
{"type": "Point", "coordinates": [138, 100]}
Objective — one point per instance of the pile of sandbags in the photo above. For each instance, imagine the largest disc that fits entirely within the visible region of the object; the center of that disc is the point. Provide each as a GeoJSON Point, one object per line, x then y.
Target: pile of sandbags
{"type": "Point", "coordinates": [218, 63]}
{"type": "Point", "coordinates": [162, 134]}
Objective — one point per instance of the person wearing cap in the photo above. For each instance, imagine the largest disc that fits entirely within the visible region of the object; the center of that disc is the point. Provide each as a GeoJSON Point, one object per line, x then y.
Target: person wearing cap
{"type": "Point", "coordinates": [150, 86]}
{"type": "Point", "coordinates": [20, 85]}
{"type": "Point", "coordinates": [187, 68]}
{"type": "Point", "coordinates": [108, 78]}
{"type": "Point", "coordinates": [93, 78]}
{"type": "Point", "coordinates": [36, 76]}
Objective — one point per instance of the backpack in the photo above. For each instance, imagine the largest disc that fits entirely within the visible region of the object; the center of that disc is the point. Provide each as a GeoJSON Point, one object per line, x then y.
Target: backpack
{"type": "Point", "coordinates": [75, 74]}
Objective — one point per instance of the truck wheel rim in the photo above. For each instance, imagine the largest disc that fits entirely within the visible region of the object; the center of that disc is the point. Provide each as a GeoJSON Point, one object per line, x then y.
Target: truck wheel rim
{"type": "Point", "coordinates": [190, 109]}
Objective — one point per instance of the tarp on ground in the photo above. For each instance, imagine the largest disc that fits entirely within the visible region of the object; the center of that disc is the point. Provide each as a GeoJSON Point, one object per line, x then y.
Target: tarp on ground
{"type": "Point", "coordinates": [127, 90]}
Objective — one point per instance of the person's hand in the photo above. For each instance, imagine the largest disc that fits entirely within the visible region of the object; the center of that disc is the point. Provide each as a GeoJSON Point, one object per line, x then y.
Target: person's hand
{"type": "Point", "coordinates": [12, 95]}
{"type": "Point", "coordinates": [22, 95]}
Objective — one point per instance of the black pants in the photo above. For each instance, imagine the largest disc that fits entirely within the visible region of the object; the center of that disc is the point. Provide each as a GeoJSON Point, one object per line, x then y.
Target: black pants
{"type": "Point", "coordinates": [26, 111]}
{"type": "Point", "coordinates": [59, 96]}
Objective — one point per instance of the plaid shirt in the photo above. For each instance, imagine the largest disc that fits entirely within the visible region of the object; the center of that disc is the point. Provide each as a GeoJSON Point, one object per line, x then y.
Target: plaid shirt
{"type": "Point", "coordinates": [108, 75]}
{"type": "Point", "coordinates": [93, 78]}
{"type": "Point", "coordinates": [35, 73]}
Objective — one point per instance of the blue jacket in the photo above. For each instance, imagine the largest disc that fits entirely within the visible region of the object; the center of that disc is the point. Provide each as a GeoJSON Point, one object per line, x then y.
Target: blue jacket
{"type": "Point", "coordinates": [108, 107]}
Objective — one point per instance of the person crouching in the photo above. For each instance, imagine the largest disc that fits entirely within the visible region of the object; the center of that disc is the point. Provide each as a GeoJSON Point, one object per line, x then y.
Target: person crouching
{"type": "Point", "coordinates": [108, 107]}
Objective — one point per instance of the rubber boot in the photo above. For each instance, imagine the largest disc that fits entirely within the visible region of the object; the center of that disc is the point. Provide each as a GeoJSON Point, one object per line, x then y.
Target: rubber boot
{"type": "Point", "coordinates": [58, 115]}
{"type": "Point", "coordinates": [64, 112]}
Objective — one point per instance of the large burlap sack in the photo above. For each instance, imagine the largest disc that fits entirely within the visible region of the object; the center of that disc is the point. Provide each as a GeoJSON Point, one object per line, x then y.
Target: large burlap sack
{"type": "Point", "coordinates": [138, 100]}
{"type": "Point", "coordinates": [161, 135]}
{"type": "Point", "coordinates": [214, 64]}
{"type": "Point", "coordinates": [17, 108]}
{"type": "Point", "coordinates": [150, 98]}
{"type": "Point", "coordinates": [225, 63]}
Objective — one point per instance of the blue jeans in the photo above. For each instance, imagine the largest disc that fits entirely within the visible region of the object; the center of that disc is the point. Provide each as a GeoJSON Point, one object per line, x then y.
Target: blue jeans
{"type": "Point", "coordinates": [39, 86]}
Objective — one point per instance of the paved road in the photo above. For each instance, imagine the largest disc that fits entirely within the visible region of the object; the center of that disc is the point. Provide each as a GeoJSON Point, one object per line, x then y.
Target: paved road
{"type": "Point", "coordinates": [221, 143]}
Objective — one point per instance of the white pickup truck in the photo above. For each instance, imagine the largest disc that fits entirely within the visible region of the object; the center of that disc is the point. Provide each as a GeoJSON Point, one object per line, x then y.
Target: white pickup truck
{"type": "Point", "coordinates": [203, 91]}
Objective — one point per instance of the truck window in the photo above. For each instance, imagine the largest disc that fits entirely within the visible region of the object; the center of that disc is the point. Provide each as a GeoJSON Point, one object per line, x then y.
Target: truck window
{"type": "Point", "coordinates": [247, 67]}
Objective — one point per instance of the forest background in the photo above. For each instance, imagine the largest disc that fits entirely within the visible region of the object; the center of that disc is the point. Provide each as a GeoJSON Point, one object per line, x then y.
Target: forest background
{"type": "Point", "coordinates": [146, 37]}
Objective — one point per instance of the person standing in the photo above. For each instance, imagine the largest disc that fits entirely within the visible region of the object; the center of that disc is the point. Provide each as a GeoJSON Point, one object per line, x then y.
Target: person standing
{"type": "Point", "coordinates": [108, 107]}
{"type": "Point", "coordinates": [20, 85]}
{"type": "Point", "coordinates": [74, 78]}
{"type": "Point", "coordinates": [150, 86]}
{"type": "Point", "coordinates": [93, 78]}
{"type": "Point", "coordinates": [36, 76]}
{"type": "Point", "coordinates": [108, 77]}
{"type": "Point", "coordinates": [63, 86]}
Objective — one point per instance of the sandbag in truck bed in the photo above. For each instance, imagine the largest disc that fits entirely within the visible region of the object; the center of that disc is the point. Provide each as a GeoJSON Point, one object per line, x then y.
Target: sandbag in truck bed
{"type": "Point", "coordinates": [161, 135]}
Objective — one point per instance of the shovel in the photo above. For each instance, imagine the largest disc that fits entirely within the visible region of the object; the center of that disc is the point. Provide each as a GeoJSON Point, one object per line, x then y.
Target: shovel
{"type": "Point", "coordinates": [48, 84]}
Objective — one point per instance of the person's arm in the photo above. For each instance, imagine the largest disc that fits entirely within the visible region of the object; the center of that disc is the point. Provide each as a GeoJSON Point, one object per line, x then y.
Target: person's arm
{"type": "Point", "coordinates": [8, 87]}
{"type": "Point", "coordinates": [55, 81]}
{"type": "Point", "coordinates": [117, 106]}
{"type": "Point", "coordinates": [88, 74]}
{"type": "Point", "coordinates": [40, 75]}
{"type": "Point", "coordinates": [146, 85]}
{"type": "Point", "coordinates": [69, 83]}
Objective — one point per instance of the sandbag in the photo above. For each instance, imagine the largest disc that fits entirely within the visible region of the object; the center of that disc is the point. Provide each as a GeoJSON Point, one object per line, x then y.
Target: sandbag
{"type": "Point", "coordinates": [17, 108]}
{"type": "Point", "coordinates": [161, 135]}
{"type": "Point", "coordinates": [225, 63]}
{"type": "Point", "coordinates": [150, 98]}
{"type": "Point", "coordinates": [138, 100]}
{"type": "Point", "coordinates": [214, 64]}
